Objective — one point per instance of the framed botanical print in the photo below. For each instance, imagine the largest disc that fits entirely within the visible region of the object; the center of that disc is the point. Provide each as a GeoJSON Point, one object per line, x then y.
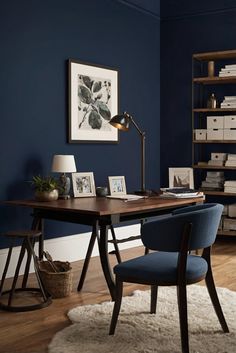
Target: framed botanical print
{"type": "Point", "coordinates": [93, 101]}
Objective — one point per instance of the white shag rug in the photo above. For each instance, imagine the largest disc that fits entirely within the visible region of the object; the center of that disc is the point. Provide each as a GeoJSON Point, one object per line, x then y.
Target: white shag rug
{"type": "Point", "coordinates": [138, 331]}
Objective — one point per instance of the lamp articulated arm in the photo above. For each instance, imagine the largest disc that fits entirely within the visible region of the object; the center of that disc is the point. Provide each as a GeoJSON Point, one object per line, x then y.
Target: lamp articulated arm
{"type": "Point", "coordinates": [143, 138]}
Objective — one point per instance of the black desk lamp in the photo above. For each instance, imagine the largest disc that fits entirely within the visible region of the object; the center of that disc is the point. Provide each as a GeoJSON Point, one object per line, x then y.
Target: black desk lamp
{"type": "Point", "coordinates": [122, 122]}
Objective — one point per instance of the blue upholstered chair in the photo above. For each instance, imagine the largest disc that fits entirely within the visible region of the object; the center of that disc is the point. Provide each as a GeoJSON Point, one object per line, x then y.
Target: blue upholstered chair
{"type": "Point", "coordinates": [186, 229]}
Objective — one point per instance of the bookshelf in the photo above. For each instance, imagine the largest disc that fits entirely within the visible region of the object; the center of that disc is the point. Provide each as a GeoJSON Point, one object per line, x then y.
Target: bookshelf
{"type": "Point", "coordinates": [202, 85]}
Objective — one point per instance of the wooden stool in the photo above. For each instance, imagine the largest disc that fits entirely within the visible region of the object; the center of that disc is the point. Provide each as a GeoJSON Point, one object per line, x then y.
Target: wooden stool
{"type": "Point", "coordinates": [28, 240]}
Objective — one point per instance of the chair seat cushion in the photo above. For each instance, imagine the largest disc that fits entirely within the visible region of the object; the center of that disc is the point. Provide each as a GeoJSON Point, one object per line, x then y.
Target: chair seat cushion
{"type": "Point", "coordinates": [160, 267]}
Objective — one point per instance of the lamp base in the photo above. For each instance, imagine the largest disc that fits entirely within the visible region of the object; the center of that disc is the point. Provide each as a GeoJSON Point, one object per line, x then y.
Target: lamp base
{"type": "Point", "coordinates": [146, 193]}
{"type": "Point", "coordinates": [64, 197]}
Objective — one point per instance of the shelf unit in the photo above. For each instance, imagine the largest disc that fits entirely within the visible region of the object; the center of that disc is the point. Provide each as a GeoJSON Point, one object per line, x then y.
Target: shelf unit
{"type": "Point", "coordinates": [201, 149]}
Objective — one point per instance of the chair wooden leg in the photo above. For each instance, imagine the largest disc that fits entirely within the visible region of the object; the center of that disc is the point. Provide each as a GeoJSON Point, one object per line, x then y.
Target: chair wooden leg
{"type": "Point", "coordinates": [183, 317]}
{"type": "Point", "coordinates": [117, 304]}
{"type": "Point", "coordinates": [154, 290]}
{"type": "Point", "coordinates": [215, 300]}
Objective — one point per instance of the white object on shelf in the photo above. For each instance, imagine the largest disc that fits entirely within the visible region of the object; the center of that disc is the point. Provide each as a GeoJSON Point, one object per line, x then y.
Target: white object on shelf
{"type": "Point", "coordinates": [215, 134]}
{"type": "Point", "coordinates": [215, 122]}
{"type": "Point", "coordinates": [230, 121]}
{"type": "Point", "coordinates": [200, 134]}
{"type": "Point", "coordinates": [218, 156]}
{"type": "Point", "coordinates": [229, 224]}
{"type": "Point", "coordinates": [232, 210]}
{"type": "Point", "coordinates": [229, 134]}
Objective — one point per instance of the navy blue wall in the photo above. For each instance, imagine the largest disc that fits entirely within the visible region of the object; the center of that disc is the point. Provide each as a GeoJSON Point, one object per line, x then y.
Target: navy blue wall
{"type": "Point", "coordinates": [180, 38]}
{"type": "Point", "coordinates": [37, 38]}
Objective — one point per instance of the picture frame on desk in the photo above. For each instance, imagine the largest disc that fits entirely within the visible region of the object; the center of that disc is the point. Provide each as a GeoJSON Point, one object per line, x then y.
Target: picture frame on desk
{"type": "Point", "coordinates": [93, 101]}
{"type": "Point", "coordinates": [83, 184]}
{"type": "Point", "coordinates": [117, 185]}
{"type": "Point", "coordinates": [181, 177]}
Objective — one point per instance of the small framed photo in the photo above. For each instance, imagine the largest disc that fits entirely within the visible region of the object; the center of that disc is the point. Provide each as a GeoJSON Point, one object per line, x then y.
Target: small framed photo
{"type": "Point", "coordinates": [117, 185]}
{"type": "Point", "coordinates": [83, 184]}
{"type": "Point", "coordinates": [181, 177]}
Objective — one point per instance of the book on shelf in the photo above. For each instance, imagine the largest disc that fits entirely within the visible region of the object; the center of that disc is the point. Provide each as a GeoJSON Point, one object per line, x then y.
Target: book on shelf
{"type": "Point", "coordinates": [216, 163]}
{"type": "Point", "coordinates": [215, 184]}
{"type": "Point", "coordinates": [230, 189]}
{"type": "Point", "coordinates": [228, 105]}
{"type": "Point", "coordinates": [215, 174]}
{"type": "Point", "coordinates": [227, 74]}
{"type": "Point", "coordinates": [215, 179]}
{"type": "Point", "coordinates": [230, 163]}
{"type": "Point", "coordinates": [230, 66]}
{"type": "Point", "coordinates": [231, 156]}
{"type": "Point", "coordinates": [202, 163]}
{"type": "Point", "coordinates": [229, 98]}
{"type": "Point", "coordinates": [230, 183]}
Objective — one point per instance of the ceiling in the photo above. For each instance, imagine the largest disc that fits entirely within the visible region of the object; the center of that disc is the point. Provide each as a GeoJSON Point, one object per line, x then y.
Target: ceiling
{"type": "Point", "coordinates": [180, 8]}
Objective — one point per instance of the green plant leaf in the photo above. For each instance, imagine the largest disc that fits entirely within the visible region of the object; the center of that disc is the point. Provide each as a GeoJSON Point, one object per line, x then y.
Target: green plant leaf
{"type": "Point", "coordinates": [104, 110]}
{"type": "Point", "coordinates": [97, 86]}
{"type": "Point", "coordinates": [95, 120]}
{"type": "Point", "coordinates": [84, 94]}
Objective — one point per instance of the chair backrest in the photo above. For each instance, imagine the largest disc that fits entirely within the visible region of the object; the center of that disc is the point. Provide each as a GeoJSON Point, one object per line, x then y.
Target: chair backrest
{"type": "Point", "coordinates": [166, 234]}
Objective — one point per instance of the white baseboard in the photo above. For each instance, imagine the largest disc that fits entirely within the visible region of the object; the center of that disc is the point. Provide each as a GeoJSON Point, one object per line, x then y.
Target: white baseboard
{"type": "Point", "coordinates": [70, 248]}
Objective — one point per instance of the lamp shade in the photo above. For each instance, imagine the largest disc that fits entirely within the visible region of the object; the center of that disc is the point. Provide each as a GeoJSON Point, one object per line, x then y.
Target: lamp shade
{"type": "Point", "coordinates": [121, 122]}
{"type": "Point", "coordinates": [63, 163]}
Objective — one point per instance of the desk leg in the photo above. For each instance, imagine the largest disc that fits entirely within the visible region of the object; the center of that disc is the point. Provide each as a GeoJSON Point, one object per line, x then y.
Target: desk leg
{"type": "Point", "coordinates": [103, 251]}
{"type": "Point", "coordinates": [94, 235]}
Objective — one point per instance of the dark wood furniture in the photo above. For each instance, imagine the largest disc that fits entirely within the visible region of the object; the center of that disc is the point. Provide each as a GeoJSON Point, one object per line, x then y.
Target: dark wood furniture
{"type": "Point", "coordinates": [42, 298]}
{"type": "Point", "coordinates": [100, 213]}
{"type": "Point", "coordinates": [202, 85]}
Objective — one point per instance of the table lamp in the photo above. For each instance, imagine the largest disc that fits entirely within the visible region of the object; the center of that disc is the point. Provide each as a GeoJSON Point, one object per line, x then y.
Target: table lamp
{"type": "Point", "coordinates": [122, 122]}
{"type": "Point", "coordinates": [64, 164]}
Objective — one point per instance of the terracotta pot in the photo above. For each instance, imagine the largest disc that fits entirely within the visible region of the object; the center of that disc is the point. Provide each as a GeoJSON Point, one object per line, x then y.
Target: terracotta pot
{"type": "Point", "coordinates": [47, 195]}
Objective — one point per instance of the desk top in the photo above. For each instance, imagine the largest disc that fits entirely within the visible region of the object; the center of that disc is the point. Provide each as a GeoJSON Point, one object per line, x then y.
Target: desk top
{"type": "Point", "coordinates": [101, 206]}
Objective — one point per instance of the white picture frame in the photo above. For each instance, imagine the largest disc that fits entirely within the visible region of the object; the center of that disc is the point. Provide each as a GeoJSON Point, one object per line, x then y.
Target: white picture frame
{"type": "Point", "coordinates": [83, 184]}
{"type": "Point", "coordinates": [181, 177]}
{"type": "Point", "coordinates": [93, 101]}
{"type": "Point", "coordinates": [117, 185]}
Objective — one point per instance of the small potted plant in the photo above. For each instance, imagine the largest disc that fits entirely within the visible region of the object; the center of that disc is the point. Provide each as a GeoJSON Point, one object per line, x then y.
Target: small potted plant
{"type": "Point", "coordinates": [46, 188]}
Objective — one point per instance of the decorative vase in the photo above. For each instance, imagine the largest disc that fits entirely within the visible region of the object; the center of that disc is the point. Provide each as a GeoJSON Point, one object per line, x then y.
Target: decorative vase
{"type": "Point", "coordinates": [47, 195]}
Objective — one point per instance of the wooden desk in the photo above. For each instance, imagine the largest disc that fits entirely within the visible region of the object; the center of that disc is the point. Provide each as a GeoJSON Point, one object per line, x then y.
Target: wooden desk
{"type": "Point", "coordinates": [100, 213]}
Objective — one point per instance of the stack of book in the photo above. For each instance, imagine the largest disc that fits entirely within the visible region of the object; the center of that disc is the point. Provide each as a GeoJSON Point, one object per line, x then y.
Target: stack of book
{"type": "Point", "coordinates": [231, 160]}
{"type": "Point", "coordinates": [230, 186]}
{"type": "Point", "coordinates": [214, 181]}
{"type": "Point", "coordinates": [179, 193]}
{"type": "Point", "coordinates": [228, 102]}
{"type": "Point", "coordinates": [228, 70]}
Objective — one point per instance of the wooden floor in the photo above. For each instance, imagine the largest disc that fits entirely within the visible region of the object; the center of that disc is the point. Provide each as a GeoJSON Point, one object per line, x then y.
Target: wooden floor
{"type": "Point", "coordinates": [31, 332]}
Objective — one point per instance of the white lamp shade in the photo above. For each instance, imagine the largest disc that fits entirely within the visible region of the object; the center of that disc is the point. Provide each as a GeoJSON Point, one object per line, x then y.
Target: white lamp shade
{"type": "Point", "coordinates": [63, 163]}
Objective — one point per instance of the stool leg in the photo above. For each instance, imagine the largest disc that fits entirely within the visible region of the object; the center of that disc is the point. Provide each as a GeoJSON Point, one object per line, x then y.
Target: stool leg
{"type": "Point", "coordinates": [6, 267]}
{"type": "Point", "coordinates": [36, 268]}
{"type": "Point", "coordinates": [21, 256]}
{"type": "Point", "coordinates": [27, 266]}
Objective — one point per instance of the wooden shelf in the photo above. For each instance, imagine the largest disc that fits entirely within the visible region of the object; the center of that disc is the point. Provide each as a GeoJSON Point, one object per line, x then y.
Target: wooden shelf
{"type": "Point", "coordinates": [214, 141]}
{"type": "Point", "coordinates": [216, 55]}
{"type": "Point", "coordinates": [207, 110]}
{"type": "Point", "coordinates": [196, 166]}
{"type": "Point", "coordinates": [216, 80]}
{"type": "Point", "coordinates": [227, 232]}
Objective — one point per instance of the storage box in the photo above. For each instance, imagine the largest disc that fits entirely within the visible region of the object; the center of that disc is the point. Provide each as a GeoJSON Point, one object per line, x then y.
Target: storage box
{"type": "Point", "coordinates": [215, 134]}
{"type": "Point", "coordinates": [215, 122]}
{"type": "Point", "coordinates": [218, 156]}
{"type": "Point", "coordinates": [232, 210]}
{"type": "Point", "coordinates": [230, 122]}
{"type": "Point", "coordinates": [229, 134]}
{"type": "Point", "coordinates": [200, 134]}
{"type": "Point", "coordinates": [229, 224]}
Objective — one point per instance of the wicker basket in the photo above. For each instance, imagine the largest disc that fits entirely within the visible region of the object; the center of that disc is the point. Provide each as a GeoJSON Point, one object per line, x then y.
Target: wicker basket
{"type": "Point", "coordinates": [58, 284]}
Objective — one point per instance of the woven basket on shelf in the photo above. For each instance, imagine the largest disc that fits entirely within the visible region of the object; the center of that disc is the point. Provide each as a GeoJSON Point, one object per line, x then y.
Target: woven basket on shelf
{"type": "Point", "coordinates": [58, 284]}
